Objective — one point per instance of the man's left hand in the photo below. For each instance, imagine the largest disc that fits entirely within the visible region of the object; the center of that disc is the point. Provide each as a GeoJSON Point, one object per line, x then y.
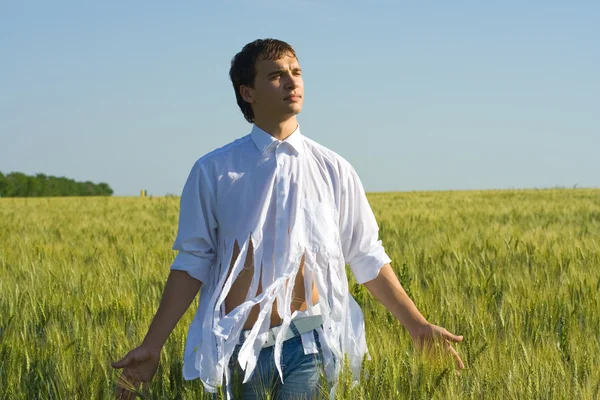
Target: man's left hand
{"type": "Point", "coordinates": [426, 336]}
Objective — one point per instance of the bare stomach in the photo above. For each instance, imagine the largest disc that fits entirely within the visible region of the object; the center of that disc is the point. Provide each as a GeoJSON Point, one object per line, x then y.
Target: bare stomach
{"type": "Point", "coordinates": [240, 287]}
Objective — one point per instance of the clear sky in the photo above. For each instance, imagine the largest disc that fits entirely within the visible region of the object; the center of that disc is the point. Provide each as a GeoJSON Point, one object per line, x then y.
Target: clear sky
{"type": "Point", "coordinates": [416, 95]}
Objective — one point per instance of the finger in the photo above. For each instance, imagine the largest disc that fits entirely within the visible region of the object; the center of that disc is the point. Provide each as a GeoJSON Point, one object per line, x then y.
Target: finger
{"type": "Point", "coordinates": [123, 362]}
{"type": "Point", "coordinates": [145, 386]}
{"type": "Point", "coordinates": [119, 393]}
{"type": "Point", "coordinates": [124, 394]}
{"type": "Point", "coordinates": [459, 362]}
{"type": "Point", "coordinates": [128, 385]}
{"type": "Point", "coordinates": [452, 337]}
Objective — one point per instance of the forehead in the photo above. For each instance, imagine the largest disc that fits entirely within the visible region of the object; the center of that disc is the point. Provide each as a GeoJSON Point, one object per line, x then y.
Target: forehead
{"type": "Point", "coordinates": [286, 62]}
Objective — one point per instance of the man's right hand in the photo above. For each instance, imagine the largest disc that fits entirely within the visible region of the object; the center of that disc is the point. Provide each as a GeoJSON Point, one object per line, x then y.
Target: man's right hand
{"type": "Point", "coordinates": [139, 366]}
{"type": "Point", "coordinates": [141, 363]}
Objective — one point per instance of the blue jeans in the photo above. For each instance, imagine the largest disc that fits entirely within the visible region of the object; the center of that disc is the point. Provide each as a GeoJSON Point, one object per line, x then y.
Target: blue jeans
{"type": "Point", "coordinates": [303, 374]}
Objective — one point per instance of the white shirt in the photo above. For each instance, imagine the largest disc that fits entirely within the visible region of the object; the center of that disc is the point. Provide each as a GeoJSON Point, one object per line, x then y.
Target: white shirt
{"type": "Point", "coordinates": [289, 197]}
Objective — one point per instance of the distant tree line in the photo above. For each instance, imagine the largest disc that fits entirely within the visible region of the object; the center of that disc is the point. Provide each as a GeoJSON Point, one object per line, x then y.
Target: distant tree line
{"type": "Point", "coordinates": [17, 184]}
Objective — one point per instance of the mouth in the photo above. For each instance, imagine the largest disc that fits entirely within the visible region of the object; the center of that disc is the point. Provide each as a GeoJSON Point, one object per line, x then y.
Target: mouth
{"type": "Point", "coordinates": [292, 97]}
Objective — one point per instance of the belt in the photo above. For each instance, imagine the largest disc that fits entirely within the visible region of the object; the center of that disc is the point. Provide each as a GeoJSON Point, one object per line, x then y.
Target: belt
{"type": "Point", "coordinates": [302, 324]}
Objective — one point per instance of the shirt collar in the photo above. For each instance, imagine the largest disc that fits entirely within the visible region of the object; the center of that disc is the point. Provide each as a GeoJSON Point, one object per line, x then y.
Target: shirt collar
{"type": "Point", "coordinates": [263, 140]}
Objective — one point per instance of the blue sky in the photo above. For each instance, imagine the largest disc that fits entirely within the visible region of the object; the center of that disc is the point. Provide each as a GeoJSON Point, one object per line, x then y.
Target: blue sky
{"type": "Point", "coordinates": [417, 96]}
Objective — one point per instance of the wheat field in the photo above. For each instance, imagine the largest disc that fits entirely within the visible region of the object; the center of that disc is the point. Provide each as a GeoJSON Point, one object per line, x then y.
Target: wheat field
{"type": "Point", "coordinates": [516, 272]}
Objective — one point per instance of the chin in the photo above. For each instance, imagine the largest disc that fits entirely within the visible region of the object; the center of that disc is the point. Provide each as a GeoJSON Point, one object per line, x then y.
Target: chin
{"type": "Point", "coordinates": [296, 108]}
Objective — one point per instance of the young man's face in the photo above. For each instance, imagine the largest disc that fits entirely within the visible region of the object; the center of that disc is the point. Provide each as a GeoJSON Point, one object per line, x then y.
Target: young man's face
{"type": "Point", "coordinates": [278, 91]}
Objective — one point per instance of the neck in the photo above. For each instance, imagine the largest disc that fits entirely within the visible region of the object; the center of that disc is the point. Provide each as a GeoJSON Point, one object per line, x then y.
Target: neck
{"type": "Point", "coordinates": [280, 130]}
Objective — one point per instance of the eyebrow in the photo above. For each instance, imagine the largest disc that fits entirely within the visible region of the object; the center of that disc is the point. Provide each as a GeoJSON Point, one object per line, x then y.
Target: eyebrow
{"type": "Point", "coordinates": [281, 70]}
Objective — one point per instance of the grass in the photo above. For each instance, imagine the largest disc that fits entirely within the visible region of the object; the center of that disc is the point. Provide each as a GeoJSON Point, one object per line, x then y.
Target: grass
{"type": "Point", "coordinates": [516, 272]}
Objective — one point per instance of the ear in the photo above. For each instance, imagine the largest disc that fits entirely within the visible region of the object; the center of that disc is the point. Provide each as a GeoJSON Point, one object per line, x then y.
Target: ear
{"type": "Point", "coordinates": [247, 94]}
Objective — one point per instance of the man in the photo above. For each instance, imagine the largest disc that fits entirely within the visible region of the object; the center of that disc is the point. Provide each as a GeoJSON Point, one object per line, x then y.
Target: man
{"type": "Point", "coordinates": [267, 224]}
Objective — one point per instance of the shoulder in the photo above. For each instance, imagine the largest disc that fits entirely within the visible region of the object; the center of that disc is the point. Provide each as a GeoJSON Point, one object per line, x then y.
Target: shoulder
{"type": "Point", "coordinates": [332, 159]}
{"type": "Point", "coordinates": [206, 169]}
{"type": "Point", "coordinates": [219, 156]}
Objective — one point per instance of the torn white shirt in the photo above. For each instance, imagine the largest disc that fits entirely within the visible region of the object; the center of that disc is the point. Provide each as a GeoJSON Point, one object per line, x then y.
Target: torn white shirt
{"type": "Point", "coordinates": [290, 198]}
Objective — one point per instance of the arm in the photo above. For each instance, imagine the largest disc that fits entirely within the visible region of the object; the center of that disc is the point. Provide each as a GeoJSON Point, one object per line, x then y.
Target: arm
{"type": "Point", "coordinates": [178, 294]}
{"type": "Point", "coordinates": [388, 291]}
{"type": "Point", "coordinates": [196, 243]}
{"type": "Point", "coordinates": [141, 363]}
{"type": "Point", "coordinates": [365, 255]}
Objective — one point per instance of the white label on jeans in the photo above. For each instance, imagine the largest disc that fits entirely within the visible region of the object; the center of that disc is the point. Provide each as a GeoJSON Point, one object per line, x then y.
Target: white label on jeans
{"type": "Point", "coordinates": [308, 342]}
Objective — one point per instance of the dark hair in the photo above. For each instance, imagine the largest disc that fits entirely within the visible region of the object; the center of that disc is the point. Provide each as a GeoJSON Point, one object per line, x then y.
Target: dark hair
{"type": "Point", "coordinates": [243, 66]}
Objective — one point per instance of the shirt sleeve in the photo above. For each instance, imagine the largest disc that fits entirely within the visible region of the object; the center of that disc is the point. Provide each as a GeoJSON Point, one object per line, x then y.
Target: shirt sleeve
{"type": "Point", "coordinates": [196, 238]}
{"type": "Point", "coordinates": [359, 231]}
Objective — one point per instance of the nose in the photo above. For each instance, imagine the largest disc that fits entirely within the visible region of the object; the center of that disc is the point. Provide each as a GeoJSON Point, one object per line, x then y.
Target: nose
{"type": "Point", "coordinates": [292, 82]}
